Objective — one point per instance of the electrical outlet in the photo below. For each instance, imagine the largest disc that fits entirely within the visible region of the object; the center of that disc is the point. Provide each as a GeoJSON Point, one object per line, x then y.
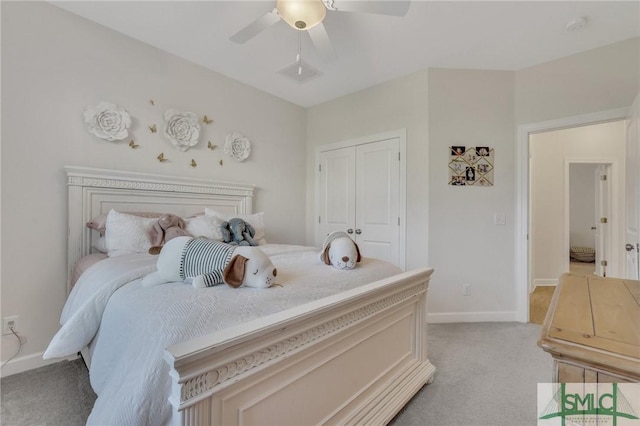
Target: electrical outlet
{"type": "Point", "coordinates": [8, 323]}
{"type": "Point", "coordinates": [466, 289]}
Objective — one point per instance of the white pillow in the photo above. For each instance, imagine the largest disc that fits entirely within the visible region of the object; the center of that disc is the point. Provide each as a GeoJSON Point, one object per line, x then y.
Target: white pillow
{"type": "Point", "coordinates": [206, 226]}
{"type": "Point", "coordinates": [256, 220]}
{"type": "Point", "coordinates": [100, 244]}
{"type": "Point", "coordinates": [127, 233]}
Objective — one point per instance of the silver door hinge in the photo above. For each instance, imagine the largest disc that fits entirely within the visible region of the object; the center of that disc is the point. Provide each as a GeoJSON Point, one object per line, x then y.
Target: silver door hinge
{"type": "Point", "coordinates": [603, 177]}
{"type": "Point", "coordinates": [398, 221]}
{"type": "Point", "coordinates": [603, 263]}
{"type": "Point", "coordinates": [319, 221]}
{"type": "Point", "coordinates": [398, 156]}
{"type": "Point", "coordinates": [320, 168]}
{"type": "Point", "coordinates": [603, 220]}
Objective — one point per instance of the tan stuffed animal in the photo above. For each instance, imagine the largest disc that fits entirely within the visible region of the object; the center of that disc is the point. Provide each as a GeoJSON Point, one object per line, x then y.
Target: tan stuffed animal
{"type": "Point", "coordinates": [168, 227]}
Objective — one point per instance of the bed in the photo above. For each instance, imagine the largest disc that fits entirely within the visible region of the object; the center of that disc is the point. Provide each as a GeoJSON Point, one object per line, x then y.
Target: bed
{"type": "Point", "coordinates": [349, 351]}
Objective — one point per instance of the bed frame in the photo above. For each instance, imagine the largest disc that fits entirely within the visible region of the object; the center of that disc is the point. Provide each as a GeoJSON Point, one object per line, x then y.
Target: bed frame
{"type": "Point", "coordinates": [352, 358]}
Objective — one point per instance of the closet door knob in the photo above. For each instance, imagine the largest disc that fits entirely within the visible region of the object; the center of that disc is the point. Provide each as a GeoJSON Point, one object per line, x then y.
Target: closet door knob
{"type": "Point", "coordinates": [349, 231]}
{"type": "Point", "coordinates": [358, 231]}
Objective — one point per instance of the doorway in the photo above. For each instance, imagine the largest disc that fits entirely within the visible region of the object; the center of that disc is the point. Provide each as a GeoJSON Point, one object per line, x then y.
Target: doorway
{"type": "Point", "coordinates": [524, 230]}
{"type": "Point", "coordinates": [553, 155]}
{"type": "Point", "coordinates": [587, 234]}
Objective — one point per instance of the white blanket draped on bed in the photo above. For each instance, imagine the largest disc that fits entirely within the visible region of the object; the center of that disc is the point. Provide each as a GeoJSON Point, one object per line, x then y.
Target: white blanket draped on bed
{"type": "Point", "coordinates": [137, 323]}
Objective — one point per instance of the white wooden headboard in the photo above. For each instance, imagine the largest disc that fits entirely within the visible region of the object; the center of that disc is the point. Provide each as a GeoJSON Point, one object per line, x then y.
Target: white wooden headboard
{"type": "Point", "coordinates": [96, 191]}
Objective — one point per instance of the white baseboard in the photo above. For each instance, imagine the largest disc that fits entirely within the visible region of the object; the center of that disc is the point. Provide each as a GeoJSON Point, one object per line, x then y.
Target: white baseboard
{"type": "Point", "coordinates": [544, 282]}
{"type": "Point", "coordinates": [498, 316]}
{"type": "Point", "coordinates": [29, 362]}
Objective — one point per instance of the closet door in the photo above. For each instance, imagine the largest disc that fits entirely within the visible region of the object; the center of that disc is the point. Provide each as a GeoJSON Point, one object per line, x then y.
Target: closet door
{"type": "Point", "coordinates": [359, 189]}
{"type": "Point", "coordinates": [377, 199]}
{"type": "Point", "coordinates": [337, 175]}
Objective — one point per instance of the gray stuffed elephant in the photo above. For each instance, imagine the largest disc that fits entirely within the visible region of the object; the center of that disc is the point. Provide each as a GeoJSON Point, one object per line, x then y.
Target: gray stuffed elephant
{"type": "Point", "coordinates": [238, 232]}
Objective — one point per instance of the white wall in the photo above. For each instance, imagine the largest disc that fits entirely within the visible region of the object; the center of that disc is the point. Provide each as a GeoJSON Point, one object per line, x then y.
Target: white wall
{"type": "Point", "coordinates": [582, 201]}
{"type": "Point", "coordinates": [549, 151]}
{"type": "Point", "coordinates": [471, 108]}
{"type": "Point", "coordinates": [54, 64]}
{"type": "Point", "coordinates": [596, 80]}
{"type": "Point", "coordinates": [401, 103]}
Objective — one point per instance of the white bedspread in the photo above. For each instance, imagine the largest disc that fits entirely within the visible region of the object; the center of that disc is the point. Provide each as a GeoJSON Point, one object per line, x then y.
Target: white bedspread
{"type": "Point", "coordinates": [137, 323]}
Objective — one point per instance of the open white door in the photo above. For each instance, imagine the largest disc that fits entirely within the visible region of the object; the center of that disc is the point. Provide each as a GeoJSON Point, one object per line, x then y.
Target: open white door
{"type": "Point", "coordinates": [632, 194]}
{"type": "Point", "coordinates": [602, 186]}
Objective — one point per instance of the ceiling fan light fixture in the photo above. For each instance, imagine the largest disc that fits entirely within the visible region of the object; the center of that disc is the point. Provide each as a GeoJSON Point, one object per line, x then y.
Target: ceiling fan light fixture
{"type": "Point", "coordinates": [301, 14]}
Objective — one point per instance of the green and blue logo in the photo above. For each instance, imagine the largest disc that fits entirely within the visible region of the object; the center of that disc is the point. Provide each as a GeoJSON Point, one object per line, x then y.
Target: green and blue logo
{"type": "Point", "coordinates": [589, 403]}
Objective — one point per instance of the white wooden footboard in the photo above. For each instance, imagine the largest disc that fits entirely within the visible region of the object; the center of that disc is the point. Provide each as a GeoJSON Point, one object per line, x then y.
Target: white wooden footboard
{"type": "Point", "coordinates": [352, 358]}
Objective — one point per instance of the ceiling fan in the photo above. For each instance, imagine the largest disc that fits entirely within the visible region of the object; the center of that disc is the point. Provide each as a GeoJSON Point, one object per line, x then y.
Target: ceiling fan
{"type": "Point", "coordinates": [307, 15]}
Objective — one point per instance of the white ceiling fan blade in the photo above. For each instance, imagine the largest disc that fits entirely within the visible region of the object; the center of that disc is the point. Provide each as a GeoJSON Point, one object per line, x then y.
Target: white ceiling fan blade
{"type": "Point", "coordinates": [388, 7]}
{"type": "Point", "coordinates": [256, 27]}
{"type": "Point", "coordinates": [322, 43]}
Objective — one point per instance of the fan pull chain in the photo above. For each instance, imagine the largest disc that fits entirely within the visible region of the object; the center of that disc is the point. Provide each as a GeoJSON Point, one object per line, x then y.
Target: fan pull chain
{"type": "Point", "coordinates": [299, 55]}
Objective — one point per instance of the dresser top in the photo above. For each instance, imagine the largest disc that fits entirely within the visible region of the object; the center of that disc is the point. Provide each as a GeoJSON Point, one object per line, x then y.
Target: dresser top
{"type": "Point", "coordinates": [595, 319]}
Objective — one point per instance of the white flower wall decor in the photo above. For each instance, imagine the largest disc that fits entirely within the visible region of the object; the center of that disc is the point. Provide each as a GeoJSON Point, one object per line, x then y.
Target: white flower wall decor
{"type": "Point", "coordinates": [182, 129]}
{"type": "Point", "coordinates": [237, 146]}
{"type": "Point", "coordinates": [107, 121]}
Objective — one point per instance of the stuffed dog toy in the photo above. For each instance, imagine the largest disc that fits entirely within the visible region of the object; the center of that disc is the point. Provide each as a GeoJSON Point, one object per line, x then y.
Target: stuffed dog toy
{"type": "Point", "coordinates": [168, 227]}
{"type": "Point", "coordinates": [238, 232]}
{"type": "Point", "coordinates": [207, 262]}
{"type": "Point", "coordinates": [340, 251]}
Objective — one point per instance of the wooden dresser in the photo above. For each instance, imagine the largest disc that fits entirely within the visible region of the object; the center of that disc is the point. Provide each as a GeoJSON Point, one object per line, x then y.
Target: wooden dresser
{"type": "Point", "coordinates": [592, 330]}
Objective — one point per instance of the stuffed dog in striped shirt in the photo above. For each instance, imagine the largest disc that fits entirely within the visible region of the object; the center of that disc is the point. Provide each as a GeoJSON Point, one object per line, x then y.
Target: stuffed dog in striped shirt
{"type": "Point", "coordinates": [207, 263]}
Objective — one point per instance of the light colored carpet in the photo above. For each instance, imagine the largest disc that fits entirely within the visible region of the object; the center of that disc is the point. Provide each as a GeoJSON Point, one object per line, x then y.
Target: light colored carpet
{"type": "Point", "coordinates": [54, 395]}
{"type": "Point", "coordinates": [487, 375]}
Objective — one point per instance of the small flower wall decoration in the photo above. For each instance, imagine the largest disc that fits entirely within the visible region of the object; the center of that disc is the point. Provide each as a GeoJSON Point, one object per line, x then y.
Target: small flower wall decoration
{"type": "Point", "coordinates": [182, 129]}
{"type": "Point", "coordinates": [107, 121]}
{"type": "Point", "coordinates": [237, 146]}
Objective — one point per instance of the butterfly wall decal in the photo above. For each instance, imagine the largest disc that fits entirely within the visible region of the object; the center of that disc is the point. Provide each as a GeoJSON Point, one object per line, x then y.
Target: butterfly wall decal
{"type": "Point", "coordinates": [153, 128]}
{"type": "Point", "coordinates": [133, 145]}
{"type": "Point", "coordinates": [207, 120]}
{"type": "Point", "coordinates": [161, 158]}
{"type": "Point", "coordinates": [193, 163]}
{"type": "Point", "coordinates": [152, 102]}
{"type": "Point", "coordinates": [211, 146]}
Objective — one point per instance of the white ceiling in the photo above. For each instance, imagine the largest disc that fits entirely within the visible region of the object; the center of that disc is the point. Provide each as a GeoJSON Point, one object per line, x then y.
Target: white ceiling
{"type": "Point", "coordinates": [500, 35]}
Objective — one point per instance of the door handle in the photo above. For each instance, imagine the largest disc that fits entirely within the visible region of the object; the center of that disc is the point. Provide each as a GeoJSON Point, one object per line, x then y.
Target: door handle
{"type": "Point", "coordinates": [349, 231]}
{"type": "Point", "coordinates": [628, 247]}
{"type": "Point", "coordinates": [358, 231]}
